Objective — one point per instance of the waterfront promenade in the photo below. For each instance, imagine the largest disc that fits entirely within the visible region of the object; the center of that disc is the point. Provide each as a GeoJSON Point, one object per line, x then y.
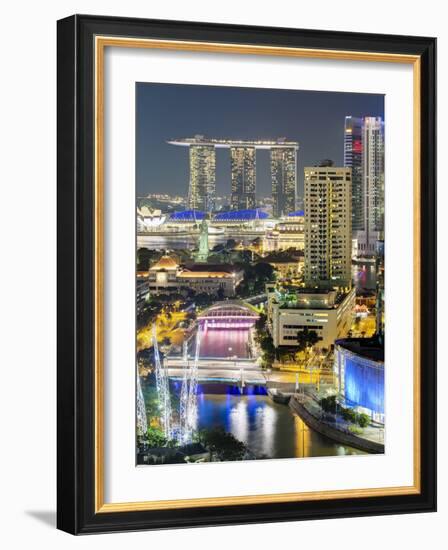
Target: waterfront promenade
{"type": "Point", "coordinates": [371, 439]}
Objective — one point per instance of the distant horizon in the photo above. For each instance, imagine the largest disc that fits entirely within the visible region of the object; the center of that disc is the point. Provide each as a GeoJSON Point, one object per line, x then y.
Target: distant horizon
{"type": "Point", "coordinates": [166, 112]}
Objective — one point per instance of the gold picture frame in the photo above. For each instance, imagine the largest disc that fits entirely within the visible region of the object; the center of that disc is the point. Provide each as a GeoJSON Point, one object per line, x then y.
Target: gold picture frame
{"type": "Point", "coordinates": [100, 41]}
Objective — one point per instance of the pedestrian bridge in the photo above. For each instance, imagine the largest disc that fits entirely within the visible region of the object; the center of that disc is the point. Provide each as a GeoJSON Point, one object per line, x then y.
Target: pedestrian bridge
{"type": "Point", "coordinates": [218, 369]}
{"type": "Point", "coordinates": [229, 314]}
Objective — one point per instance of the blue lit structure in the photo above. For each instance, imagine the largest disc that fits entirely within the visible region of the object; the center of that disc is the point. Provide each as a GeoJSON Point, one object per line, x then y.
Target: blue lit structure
{"type": "Point", "coordinates": [187, 216]}
{"type": "Point", "coordinates": [241, 215]}
{"type": "Point", "coordinates": [296, 214]}
{"type": "Point", "coordinates": [359, 367]}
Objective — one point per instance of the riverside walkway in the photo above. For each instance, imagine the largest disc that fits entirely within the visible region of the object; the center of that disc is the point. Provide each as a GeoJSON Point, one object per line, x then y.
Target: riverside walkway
{"type": "Point", "coordinates": [335, 427]}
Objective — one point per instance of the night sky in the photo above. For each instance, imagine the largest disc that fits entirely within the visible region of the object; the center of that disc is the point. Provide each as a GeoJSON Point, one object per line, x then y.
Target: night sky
{"type": "Point", "coordinates": [166, 111]}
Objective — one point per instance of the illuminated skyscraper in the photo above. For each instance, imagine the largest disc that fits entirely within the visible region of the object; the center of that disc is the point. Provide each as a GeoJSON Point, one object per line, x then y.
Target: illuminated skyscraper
{"type": "Point", "coordinates": [364, 154]}
{"type": "Point", "coordinates": [373, 183]}
{"type": "Point", "coordinates": [284, 180]}
{"type": "Point", "coordinates": [201, 195]}
{"type": "Point", "coordinates": [328, 227]}
{"type": "Point", "coordinates": [353, 160]}
{"type": "Point", "coordinates": [379, 267]}
{"type": "Point", "coordinates": [243, 177]}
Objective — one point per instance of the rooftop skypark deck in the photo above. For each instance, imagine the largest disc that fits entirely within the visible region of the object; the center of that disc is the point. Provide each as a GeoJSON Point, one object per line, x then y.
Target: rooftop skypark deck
{"type": "Point", "coordinates": [227, 143]}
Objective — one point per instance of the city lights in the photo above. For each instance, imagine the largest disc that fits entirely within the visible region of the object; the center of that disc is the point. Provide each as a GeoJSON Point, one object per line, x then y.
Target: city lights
{"type": "Point", "coordinates": [260, 288]}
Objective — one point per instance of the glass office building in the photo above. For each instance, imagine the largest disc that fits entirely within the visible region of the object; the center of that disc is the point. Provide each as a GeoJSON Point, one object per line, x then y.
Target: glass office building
{"type": "Point", "coordinates": [359, 369]}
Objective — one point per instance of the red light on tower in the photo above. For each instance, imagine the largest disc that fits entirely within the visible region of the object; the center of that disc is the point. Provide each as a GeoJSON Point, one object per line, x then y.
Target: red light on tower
{"type": "Point", "coordinates": [357, 146]}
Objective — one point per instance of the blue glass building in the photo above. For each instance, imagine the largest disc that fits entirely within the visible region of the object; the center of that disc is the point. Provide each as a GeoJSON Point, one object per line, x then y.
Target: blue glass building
{"type": "Point", "coordinates": [187, 216]}
{"type": "Point", "coordinates": [359, 367]}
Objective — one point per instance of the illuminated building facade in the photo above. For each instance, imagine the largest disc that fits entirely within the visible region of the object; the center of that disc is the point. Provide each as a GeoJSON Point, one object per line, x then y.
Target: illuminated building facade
{"type": "Point", "coordinates": [243, 154]}
{"type": "Point", "coordinates": [141, 290]}
{"type": "Point", "coordinates": [167, 275]}
{"type": "Point", "coordinates": [243, 166]}
{"type": "Point", "coordinates": [373, 185]}
{"type": "Point", "coordinates": [289, 232]}
{"type": "Point", "coordinates": [148, 218]}
{"type": "Point", "coordinates": [353, 159]}
{"type": "Point", "coordinates": [359, 371]}
{"type": "Point", "coordinates": [284, 180]}
{"type": "Point", "coordinates": [364, 154]}
{"type": "Point", "coordinates": [379, 306]}
{"type": "Point", "coordinates": [328, 231]}
{"type": "Point", "coordinates": [201, 194]}
{"type": "Point", "coordinates": [292, 309]}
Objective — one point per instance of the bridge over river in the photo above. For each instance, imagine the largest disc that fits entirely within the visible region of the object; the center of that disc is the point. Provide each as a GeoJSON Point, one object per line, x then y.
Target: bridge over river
{"type": "Point", "coordinates": [226, 351]}
{"type": "Point", "coordinates": [226, 348]}
{"type": "Point", "coordinates": [209, 378]}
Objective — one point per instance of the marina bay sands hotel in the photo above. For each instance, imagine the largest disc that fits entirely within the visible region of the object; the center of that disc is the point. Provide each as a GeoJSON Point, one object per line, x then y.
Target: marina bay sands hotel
{"type": "Point", "coordinates": [202, 153]}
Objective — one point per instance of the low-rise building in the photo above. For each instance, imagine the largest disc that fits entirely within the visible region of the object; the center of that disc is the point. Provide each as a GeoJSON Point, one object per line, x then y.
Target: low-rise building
{"type": "Point", "coordinates": [148, 218]}
{"type": "Point", "coordinates": [291, 309]}
{"type": "Point", "coordinates": [141, 290]}
{"type": "Point", "coordinates": [289, 232]}
{"type": "Point", "coordinates": [167, 275]}
{"type": "Point", "coordinates": [287, 269]}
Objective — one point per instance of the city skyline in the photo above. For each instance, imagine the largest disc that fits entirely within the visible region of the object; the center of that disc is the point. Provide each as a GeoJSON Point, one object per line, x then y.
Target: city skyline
{"type": "Point", "coordinates": [168, 111]}
{"type": "Point", "coordinates": [202, 172]}
{"type": "Point", "coordinates": [258, 321]}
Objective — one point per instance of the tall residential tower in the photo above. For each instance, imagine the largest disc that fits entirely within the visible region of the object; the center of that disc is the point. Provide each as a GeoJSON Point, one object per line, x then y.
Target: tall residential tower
{"type": "Point", "coordinates": [364, 154]}
{"type": "Point", "coordinates": [373, 185]}
{"type": "Point", "coordinates": [328, 227]}
{"type": "Point", "coordinates": [353, 159]}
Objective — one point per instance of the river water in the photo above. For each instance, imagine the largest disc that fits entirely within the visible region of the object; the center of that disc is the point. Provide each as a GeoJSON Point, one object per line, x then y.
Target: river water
{"type": "Point", "coordinates": [268, 429]}
{"type": "Point", "coordinates": [225, 343]}
{"type": "Point", "coordinates": [182, 242]}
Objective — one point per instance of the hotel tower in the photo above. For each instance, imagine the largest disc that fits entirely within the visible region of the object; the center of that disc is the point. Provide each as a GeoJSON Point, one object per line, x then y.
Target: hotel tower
{"type": "Point", "coordinates": [201, 195]}
{"type": "Point", "coordinates": [243, 177]}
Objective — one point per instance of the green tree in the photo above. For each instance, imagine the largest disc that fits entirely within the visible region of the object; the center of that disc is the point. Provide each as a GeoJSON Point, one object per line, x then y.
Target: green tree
{"type": "Point", "coordinates": [348, 415]}
{"type": "Point", "coordinates": [268, 349]}
{"type": "Point", "coordinates": [264, 271]}
{"type": "Point", "coordinates": [329, 404]}
{"type": "Point", "coordinates": [145, 257]}
{"type": "Point", "coordinates": [202, 299]}
{"type": "Point", "coordinates": [230, 244]}
{"type": "Point", "coordinates": [306, 338]}
{"type": "Point", "coordinates": [363, 420]}
{"type": "Point", "coordinates": [260, 323]}
{"type": "Point", "coordinates": [155, 437]}
{"type": "Point", "coordinates": [223, 444]}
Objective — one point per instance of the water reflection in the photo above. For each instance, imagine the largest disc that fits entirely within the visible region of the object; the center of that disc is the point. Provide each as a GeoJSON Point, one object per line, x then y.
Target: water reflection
{"type": "Point", "coordinates": [225, 343]}
{"type": "Point", "coordinates": [364, 276]}
{"type": "Point", "coordinates": [268, 429]}
{"type": "Point", "coordinates": [182, 242]}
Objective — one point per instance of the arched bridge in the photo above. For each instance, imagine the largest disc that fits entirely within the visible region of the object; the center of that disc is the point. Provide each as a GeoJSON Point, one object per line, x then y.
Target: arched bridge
{"type": "Point", "coordinates": [228, 314]}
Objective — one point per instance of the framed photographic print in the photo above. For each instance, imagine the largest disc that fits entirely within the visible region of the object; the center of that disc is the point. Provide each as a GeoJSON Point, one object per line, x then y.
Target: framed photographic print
{"type": "Point", "coordinates": [246, 274]}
